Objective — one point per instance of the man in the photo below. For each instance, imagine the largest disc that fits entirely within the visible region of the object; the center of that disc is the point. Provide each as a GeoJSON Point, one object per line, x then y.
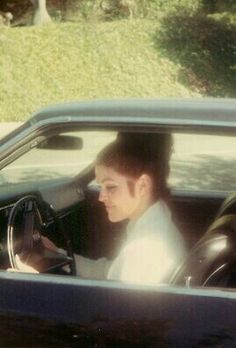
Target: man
{"type": "Point", "coordinates": [132, 173]}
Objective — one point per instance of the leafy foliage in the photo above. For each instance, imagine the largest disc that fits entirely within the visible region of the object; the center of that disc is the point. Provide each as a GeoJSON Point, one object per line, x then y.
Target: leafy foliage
{"type": "Point", "coordinates": [114, 9]}
{"type": "Point", "coordinates": [205, 47]}
{"type": "Point", "coordinates": [177, 50]}
{"type": "Point", "coordinates": [213, 6]}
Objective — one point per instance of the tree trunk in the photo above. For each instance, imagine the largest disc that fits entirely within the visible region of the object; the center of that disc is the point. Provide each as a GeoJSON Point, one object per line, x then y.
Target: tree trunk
{"type": "Point", "coordinates": [40, 15]}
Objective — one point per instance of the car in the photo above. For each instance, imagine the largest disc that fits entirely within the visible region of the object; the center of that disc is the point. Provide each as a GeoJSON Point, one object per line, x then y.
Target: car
{"type": "Point", "coordinates": [47, 186]}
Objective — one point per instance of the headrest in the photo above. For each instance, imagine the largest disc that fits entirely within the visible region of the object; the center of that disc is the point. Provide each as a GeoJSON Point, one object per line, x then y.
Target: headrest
{"type": "Point", "coordinates": [228, 206]}
{"type": "Point", "coordinates": [226, 223]}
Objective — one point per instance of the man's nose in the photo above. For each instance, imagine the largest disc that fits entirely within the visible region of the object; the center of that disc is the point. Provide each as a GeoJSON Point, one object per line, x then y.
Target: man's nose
{"type": "Point", "coordinates": [102, 196]}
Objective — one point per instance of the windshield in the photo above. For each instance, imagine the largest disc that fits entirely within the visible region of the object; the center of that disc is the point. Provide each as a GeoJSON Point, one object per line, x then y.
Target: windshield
{"type": "Point", "coordinates": [43, 164]}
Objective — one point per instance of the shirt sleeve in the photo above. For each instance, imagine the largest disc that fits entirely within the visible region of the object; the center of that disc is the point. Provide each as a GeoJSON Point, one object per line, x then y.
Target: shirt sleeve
{"type": "Point", "coordinates": [92, 269]}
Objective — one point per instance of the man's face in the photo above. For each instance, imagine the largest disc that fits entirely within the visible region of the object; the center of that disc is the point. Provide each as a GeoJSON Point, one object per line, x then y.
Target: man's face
{"type": "Point", "coordinates": [116, 194]}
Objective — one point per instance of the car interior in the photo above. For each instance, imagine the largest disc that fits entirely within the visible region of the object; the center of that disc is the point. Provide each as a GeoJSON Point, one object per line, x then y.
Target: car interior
{"type": "Point", "coordinates": [211, 262]}
{"type": "Point", "coordinates": [65, 208]}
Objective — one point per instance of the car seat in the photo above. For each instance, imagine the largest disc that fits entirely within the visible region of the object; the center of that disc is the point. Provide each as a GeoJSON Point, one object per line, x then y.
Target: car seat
{"type": "Point", "coordinates": [212, 261]}
{"type": "Point", "coordinates": [228, 206]}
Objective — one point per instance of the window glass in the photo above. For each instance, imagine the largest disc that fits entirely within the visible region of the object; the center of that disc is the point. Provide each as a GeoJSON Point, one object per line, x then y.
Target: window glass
{"type": "Point", "coordinates": [198, 162]}
{"type": "Point", "coordinates": [46, 163]}
{"type": "Point", "coordinates": [203, 162]}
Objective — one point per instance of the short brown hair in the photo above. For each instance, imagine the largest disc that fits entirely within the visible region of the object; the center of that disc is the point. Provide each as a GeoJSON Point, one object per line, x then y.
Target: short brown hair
{"type": "Point", "coordinates": [134, 154]}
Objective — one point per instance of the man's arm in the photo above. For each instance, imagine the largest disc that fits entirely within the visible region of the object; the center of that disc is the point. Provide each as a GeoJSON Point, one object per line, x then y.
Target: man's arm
{"type": "Point", "coordinates": [92, 269]}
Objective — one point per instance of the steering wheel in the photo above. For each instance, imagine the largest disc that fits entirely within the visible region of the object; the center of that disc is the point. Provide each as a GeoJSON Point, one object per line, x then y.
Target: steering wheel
{"type": "Point", "coordinates": [27, 222]}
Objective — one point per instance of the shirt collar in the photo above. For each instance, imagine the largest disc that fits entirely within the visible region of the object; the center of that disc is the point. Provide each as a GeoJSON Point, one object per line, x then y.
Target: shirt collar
{"type": "Point", "coordinates": [157, 212]}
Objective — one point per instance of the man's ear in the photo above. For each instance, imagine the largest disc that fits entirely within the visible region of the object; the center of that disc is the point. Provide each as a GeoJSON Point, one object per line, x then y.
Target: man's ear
{"type": "Point", "coordinates": [144, 184]}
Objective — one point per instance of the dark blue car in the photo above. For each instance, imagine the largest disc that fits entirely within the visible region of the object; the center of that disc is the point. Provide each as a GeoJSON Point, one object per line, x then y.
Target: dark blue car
{"type": "Point", "coordinates": [47, 187]}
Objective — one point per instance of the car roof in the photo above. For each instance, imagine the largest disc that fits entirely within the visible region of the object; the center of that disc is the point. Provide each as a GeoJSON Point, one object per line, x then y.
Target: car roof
{"type": "Point", "coordinates": [202, 115]}
{"type": "Point", "coordinates": [202, 111]}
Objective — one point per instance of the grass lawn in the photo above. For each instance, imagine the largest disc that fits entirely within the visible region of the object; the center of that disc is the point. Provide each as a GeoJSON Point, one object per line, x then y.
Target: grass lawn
{"type": "Point", "coordinates": [77, 61]}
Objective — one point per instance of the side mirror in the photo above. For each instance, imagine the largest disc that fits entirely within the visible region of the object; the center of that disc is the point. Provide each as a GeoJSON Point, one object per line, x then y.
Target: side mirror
{"type": "Point", "coordinates": [62, 142]}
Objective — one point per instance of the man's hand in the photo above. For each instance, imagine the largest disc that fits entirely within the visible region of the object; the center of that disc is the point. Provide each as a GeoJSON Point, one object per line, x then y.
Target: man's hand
{"type": "Point", "coordinates": [49, 244]}
{"type": "Point", "coordinates": [21, 267]}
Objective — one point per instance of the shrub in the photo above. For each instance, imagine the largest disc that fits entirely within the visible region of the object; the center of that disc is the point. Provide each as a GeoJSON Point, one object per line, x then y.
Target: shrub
{"type": "Point", "coordinates": [163, 6]}
{"type": "Point", "coordinates": [113, 9]}
{"type": "Point", "coordinates": [214, 6]}
{"type": "Point", "coordinates": [205, 47]}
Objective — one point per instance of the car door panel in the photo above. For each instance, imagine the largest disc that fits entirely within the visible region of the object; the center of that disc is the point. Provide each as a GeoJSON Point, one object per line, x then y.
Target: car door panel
{"type": "Point", "coordinates": [70, 311]}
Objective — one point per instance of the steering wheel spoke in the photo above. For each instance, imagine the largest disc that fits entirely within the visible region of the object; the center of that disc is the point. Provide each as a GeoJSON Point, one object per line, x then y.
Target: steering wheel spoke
{"type": "Point", "coordinates": [27, 241]}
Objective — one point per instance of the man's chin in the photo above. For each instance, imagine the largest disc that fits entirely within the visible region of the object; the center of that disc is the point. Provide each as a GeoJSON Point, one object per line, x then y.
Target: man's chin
{"type": "Point", "coordinates": [114, 218]}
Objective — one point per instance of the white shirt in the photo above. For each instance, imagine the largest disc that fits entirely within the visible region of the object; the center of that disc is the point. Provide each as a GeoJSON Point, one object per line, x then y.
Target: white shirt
{"type": "Point", "coordinates": [151, 252]}
{"type": "Point", "coordinates": [153, 248]}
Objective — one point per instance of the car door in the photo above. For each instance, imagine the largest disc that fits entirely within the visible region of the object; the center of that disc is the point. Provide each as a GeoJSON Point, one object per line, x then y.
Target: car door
{"type": "Point", "coordinates": [38, 310]}
{"type": "Point", "coordinates": [64, 311]}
